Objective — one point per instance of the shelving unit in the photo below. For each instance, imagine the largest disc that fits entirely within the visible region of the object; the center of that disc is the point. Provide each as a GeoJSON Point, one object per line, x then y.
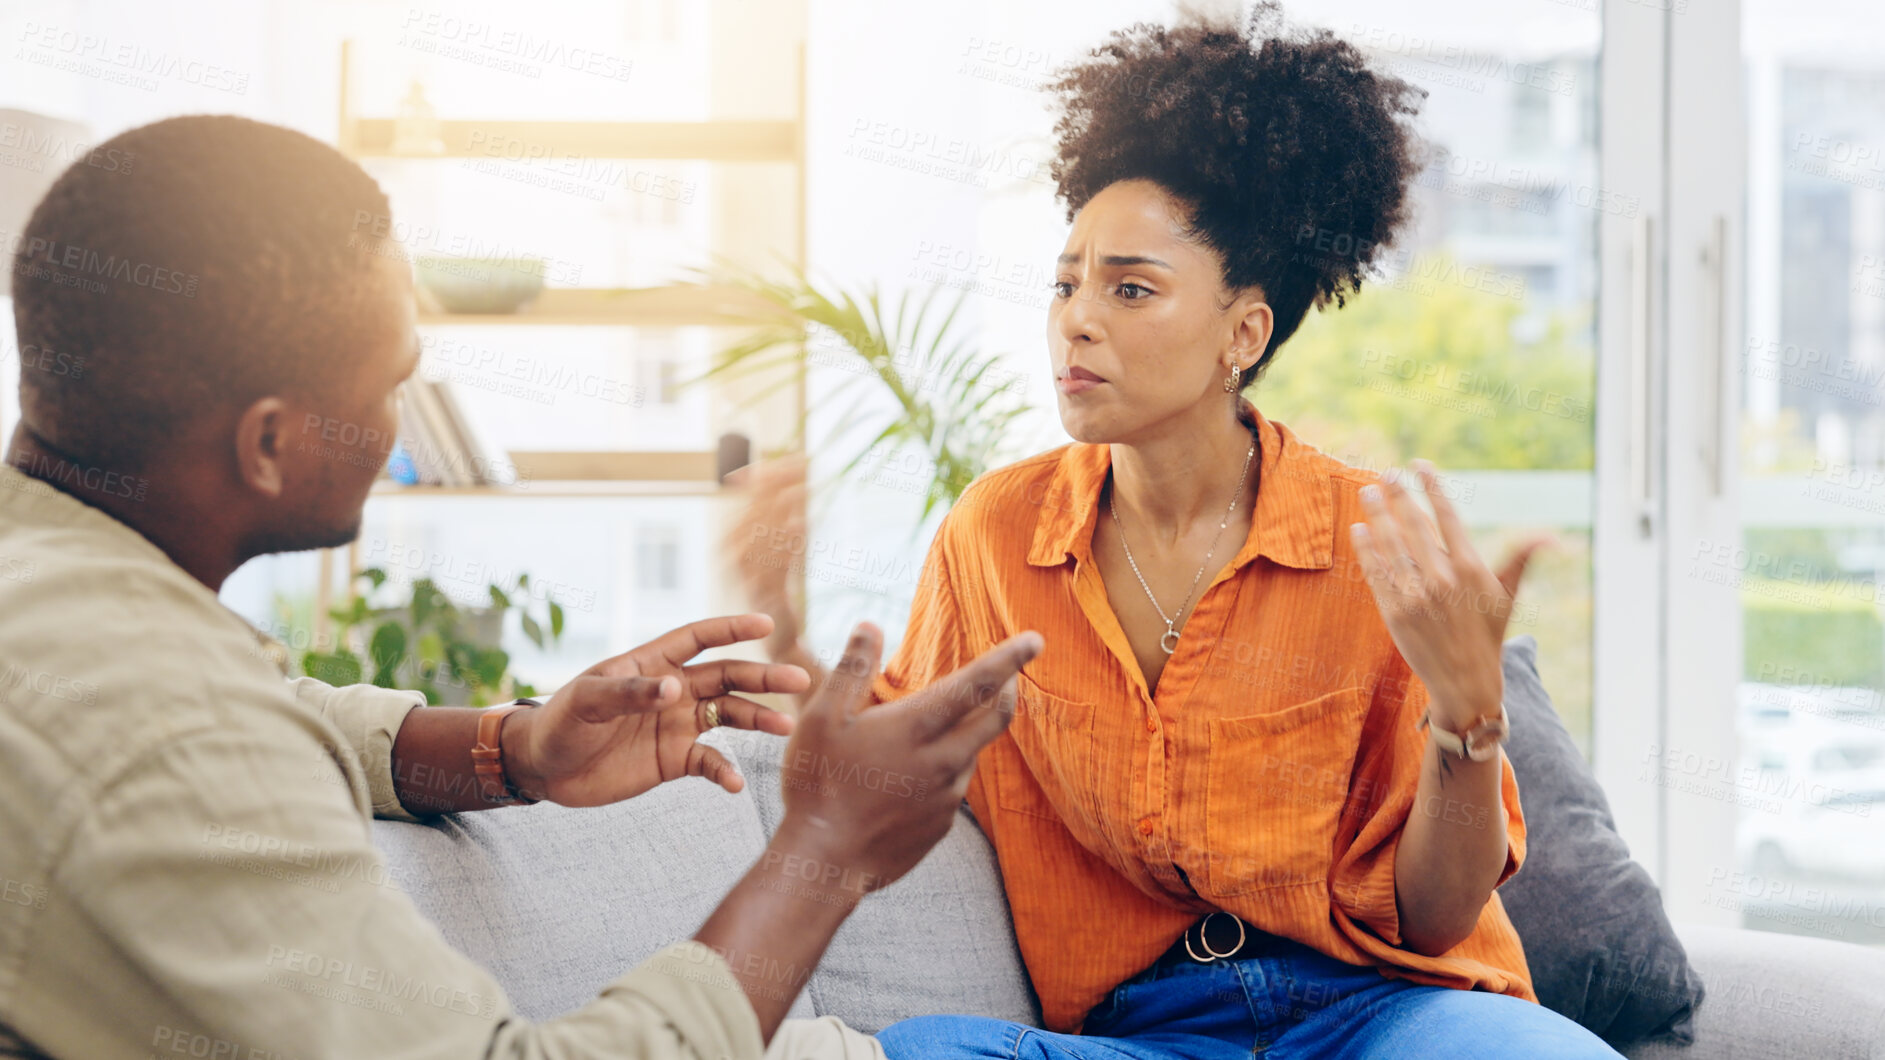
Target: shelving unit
{"type": "Point", "coordinates": [602, 474]}
{"type": "Point", "coordinates": [693, 141]}
{"type": "Point", "coordinates": [554, 488]}
{"type": "Point", "coordinates": [678, 306]}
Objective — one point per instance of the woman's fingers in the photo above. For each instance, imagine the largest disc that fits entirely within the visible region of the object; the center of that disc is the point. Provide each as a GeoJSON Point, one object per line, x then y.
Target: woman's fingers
{"type": "Point", "coordinates": [1452, 530]}
{"type": "Point", "coordinates": [1368, 554]}
{"type": "Point", "coordinates": [1396, 588]}
{"type": "Point", "coordinates": [1419, 542]}
{"type": "Point", "coordinates": [1513, 568]}
{"type": "Point", "coordinates": [1391, 570]}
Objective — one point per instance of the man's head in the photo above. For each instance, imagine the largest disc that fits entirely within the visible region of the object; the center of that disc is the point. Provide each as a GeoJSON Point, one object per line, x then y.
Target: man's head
{"type": "Point", "coordinates": [241, 321]}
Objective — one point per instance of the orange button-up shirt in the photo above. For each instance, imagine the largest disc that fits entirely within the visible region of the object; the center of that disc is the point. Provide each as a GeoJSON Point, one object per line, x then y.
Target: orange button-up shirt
{"type": "Point", "coordinates": [1270, 774]}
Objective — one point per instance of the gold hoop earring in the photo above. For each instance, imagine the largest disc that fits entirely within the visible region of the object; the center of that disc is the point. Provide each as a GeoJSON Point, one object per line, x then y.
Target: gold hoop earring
{"type": "Point", "coordinates": [1230, 385]}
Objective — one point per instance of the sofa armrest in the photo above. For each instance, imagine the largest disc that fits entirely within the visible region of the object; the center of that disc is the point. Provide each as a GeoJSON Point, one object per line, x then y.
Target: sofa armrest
{"type": "Point", "coordinates": [1779, 997]}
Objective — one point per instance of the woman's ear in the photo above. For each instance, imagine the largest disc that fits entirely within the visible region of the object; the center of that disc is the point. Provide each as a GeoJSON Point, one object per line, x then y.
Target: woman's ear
{"type": "Point", "coordinates": [1252, 324]}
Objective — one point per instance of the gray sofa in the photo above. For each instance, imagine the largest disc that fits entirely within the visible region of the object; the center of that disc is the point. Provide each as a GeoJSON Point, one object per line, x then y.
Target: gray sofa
{"type": "Point", "coordinates": [556, 902]}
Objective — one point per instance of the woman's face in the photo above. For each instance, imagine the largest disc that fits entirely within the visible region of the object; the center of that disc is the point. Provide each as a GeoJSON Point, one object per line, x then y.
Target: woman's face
{"type": "Point", "coordinates": [1136, 330]}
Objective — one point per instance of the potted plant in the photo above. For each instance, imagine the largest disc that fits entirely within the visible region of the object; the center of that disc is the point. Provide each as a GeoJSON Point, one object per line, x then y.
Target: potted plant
{"type": "Point", "coordinates": [451, 654]}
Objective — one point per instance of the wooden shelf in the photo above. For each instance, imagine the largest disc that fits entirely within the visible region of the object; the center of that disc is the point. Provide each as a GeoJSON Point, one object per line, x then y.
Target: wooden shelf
{"type": "Point", "coordinates": [522, 141]}
{"type": "Point", "coordinates": [598, 473]}
{"type": "Point", "coordinates": [619, 466]}
{"type": "Point", "coordinates": [678, 306]}
{"type": "Point", "coordinates": [386, 488]}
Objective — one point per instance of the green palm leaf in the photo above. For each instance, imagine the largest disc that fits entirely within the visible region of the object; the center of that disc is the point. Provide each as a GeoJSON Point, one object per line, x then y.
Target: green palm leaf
{"type": "Point", "coordinates": [953, 402]}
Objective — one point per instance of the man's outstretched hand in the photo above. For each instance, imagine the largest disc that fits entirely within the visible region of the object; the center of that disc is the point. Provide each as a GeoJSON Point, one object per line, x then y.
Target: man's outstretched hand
{"type": "Point", "coordinates": [634, 721]}
{"type": "Point", "coordinates": [868, 792]}
{"type": "Point", "coordinates": [877, 788]}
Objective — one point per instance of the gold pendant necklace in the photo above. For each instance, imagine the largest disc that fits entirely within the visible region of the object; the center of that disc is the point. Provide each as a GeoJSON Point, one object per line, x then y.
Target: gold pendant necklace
{"type": "Point", "coordinates": [1169, 642]}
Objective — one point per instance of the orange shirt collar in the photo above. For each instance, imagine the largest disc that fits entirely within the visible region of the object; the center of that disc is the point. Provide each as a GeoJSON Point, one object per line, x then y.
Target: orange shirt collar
{"type": "Point", "coordinates": [1294, 524]}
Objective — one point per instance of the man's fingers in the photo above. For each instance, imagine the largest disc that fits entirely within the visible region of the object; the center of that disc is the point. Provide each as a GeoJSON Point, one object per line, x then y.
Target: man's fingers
{"type": "Point", "coordinates": [704, 761]}
{"type": "Point", "coordinates": [599, 699]}
{"type": "Point", "coordinates": [743, 675]}
{"type": "Point", "coordinates": [677, 646]}
{"type": "Point", "coordinates": [976, 686]}
{"type": "Point", "coordinates": [959, 745]}
{"type": "Point", "coordinates": [847, 687]}
{"type": "Point", "coordinates": [738, 712]}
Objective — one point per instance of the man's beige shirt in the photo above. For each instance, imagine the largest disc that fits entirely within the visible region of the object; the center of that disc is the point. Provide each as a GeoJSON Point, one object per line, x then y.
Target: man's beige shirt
{"type": "Point", "coordinates": [185, 861]}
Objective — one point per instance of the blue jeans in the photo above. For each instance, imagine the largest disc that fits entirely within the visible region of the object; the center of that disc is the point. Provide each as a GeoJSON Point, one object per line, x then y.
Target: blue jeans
{"type": "Point", "coordinates": [1289, 1003]}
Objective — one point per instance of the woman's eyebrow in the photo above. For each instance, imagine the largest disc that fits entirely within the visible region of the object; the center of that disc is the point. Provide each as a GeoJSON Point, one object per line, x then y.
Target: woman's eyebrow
{"type": "Point", "coordinates": [1119, 259]}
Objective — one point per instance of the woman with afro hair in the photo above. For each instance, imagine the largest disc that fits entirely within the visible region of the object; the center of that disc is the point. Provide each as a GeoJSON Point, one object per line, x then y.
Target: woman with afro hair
{"type": "Point", "coordinates": [1253, 800]}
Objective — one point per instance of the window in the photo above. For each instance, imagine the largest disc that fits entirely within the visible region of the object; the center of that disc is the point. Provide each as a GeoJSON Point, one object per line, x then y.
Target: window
{"type": "Point", "coordinates": [1812, 541]}
{"type": "Point", "coordinates": [657, 558]}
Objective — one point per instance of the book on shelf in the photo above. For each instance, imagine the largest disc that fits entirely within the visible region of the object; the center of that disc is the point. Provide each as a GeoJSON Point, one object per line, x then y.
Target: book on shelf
{"type": "Point", "coordinates": [437, 445]}
{"type": "Point", "coordinates": [473, 446]}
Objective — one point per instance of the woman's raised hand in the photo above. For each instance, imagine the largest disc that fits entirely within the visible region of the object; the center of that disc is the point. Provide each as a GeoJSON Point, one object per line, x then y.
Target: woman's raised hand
{"type": "Point", "coordinates": [1446, 610]}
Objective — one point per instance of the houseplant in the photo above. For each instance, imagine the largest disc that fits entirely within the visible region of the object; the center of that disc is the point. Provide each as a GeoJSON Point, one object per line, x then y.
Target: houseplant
{"type": "Point", "coordinates": [431, 644]}
{"type": "Point", "coordinates": [954, 403]}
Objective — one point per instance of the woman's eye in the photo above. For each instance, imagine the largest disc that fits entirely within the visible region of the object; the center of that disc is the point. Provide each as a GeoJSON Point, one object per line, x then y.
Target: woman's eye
{"type": "Point", "coordinates": [1063, 289]}
{"type": "Point", "coordinates": [1132, 292]}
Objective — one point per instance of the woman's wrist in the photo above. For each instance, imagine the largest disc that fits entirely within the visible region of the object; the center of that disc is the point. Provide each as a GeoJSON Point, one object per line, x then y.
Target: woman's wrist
{"type": "Point", "coordinates": [1475, 734]}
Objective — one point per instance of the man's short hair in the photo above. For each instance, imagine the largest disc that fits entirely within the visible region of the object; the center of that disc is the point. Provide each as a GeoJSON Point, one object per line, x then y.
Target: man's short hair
{"type": "Point", "coordinates": [229, 260]}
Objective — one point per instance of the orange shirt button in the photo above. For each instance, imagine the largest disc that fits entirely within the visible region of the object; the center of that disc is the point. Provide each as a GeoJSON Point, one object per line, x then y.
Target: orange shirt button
{"type": "Point", "coordinates": [1151, 725]}
{"type": "Point", "coordinates": [1145, 826]}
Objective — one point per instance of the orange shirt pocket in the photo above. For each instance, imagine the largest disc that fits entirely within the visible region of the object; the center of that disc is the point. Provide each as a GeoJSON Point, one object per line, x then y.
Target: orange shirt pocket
{"type": "Point", "coordinates": [1274, 792]}
{"type": "Point", "coordinates": [1055, 737]}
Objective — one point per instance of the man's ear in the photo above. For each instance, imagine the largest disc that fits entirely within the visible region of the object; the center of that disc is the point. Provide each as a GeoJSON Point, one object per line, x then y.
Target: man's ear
{"type": "Point", "coordinates": [264, 435]}
{"type": "Point", "coordinates": [1252, 324]}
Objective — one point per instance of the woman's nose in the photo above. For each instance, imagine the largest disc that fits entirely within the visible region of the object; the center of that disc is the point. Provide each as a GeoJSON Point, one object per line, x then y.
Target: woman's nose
{"type": "Point", "coordinates": [1077, 321]}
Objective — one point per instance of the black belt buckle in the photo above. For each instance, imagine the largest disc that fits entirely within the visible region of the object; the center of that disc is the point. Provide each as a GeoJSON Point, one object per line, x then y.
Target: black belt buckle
{"type": "Point", "coordinates": [1204, 941]}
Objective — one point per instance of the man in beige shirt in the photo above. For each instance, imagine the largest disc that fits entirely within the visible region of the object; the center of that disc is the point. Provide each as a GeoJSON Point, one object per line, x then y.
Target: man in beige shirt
{"type": "Point", "coordinates": [185, 862]}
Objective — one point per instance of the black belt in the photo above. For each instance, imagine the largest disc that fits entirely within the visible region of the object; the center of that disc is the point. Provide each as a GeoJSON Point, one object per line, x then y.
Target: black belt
{"type": "Point", "coordinates": [1220, 936]}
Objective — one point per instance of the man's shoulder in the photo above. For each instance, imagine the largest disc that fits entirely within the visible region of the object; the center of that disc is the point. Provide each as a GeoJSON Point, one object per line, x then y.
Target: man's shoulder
{"type": "Point", "coordinates": [104, 655]}
{"type": "Point", "coordinates": [114, 615]}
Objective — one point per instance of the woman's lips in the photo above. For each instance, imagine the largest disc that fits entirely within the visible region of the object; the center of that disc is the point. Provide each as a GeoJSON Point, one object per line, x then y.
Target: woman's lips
{"type": "Point", "coordinates": [1076, 380]}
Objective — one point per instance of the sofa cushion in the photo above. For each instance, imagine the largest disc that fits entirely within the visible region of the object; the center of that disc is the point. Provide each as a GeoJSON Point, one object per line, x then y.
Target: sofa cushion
{"type": "Point", "coordinates": [557, 902]}
{"type": "Point", "coordinates": [1600, 947]}
{"type": "Point", "coordinates": [937, 941]}
{"type": "Point", "coordinates": [1780, 997]}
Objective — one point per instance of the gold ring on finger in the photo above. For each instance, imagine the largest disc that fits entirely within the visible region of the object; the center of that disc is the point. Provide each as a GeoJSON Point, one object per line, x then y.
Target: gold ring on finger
{"type": "Point", "coordinates": [713, 714]}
